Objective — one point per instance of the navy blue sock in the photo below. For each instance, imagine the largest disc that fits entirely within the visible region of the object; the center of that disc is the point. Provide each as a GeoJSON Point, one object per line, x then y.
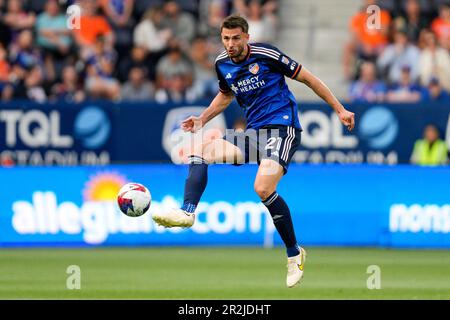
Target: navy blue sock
{"type": "Point", "coordinates": [195, 183]}
{"type": "Point", "coordinates": [283, 223]}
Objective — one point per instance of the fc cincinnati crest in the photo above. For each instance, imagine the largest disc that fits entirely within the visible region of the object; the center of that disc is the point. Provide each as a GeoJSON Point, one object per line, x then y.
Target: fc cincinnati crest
{"type": "Point", "coordinates": [253, 68]}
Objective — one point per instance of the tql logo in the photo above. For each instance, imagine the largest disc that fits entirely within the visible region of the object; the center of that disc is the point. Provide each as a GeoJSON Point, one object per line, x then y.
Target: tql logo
{"type": "Point", "coordinates": [41, 129]}
{"type": "Point", "coordinates": [379, 127]}
{"type": "Point", "coordinates": [92, 127]}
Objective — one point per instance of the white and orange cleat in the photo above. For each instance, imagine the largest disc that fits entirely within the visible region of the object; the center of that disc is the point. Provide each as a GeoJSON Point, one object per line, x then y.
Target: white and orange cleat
{"type": "Point", "coordinates": [174, 218]}
{"type": "Point", "coordinates": [295, 267]}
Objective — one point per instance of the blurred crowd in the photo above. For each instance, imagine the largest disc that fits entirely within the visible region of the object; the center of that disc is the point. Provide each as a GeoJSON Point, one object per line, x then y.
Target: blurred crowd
{"type": "Point", "coordinates": [124, 50]}
{"type": "Point", "coordinates": [401, 54]}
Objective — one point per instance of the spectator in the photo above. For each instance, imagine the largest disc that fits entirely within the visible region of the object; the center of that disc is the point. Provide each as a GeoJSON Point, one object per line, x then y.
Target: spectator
{"type": "Point", "coordinates": [51, 29]}
{"type": "Point", "coordinates": [4, 66]}
{"type": "Point", "coordinates": [100, 67]}
{"type": "Point", "coordinates": [16, 77]}
{"type": "Point", "coordinates": [182, 24]}
{"type": "Point", "coordinates": [434, 62]}
{"type": "Point", "coordinates": [405, 91]}
{"type": "Point", "coordinates": [137, 59]}
{"type": "Point", "coordinates": [4, 71]}
{"type": "Point", "coordinates": [30, 87]}
{"type": "Point", "coordinates": [23, 54]}
{"type": "Point", "coordinates": [211, 17]}
{"type": "Point", "coordinates": [368, 88]}
{"type": "Point", "coordinates": [205, 79]}
{"type": "Point", "coordinates": [170, 65]}
{"type": "Point", "coordinates": [17, 19]}
{"type": "Point", "coordinates": [38, 6]}
{"type": "Point", "coordinates": [365, 43]}
{"type": "Point", "coordinates": [396, 56]}
{"type": "Point", "coordinates": [430, 151]}
{"type": "Point", "coordinates": [261, 26]}
{"type": "Point", "coordinates": [412, 20]}
{"type": "Point", "coordinates": [118, 12]}
{"type": "Point", "coordinates": [162, 39]}
{"type": "Point", "coordinates": [92, 26]}
{"type": "Point", "coordinates": [149, 34]}
{"type": "Point", "coordinates": [435, 92]}
{"type": "Point", "coordinates": [53, 37]}
{"type": "Point", "coordinates": [422, 42]}
{"type": "Point", "coordinates": [177, 90]}
{"type": "Point", "coordinates": [138, 88]}
{"type": "Point", "coordinates": [441, 26]}
{"type": "Point", "coordinates": [34, 86]}
{"type": "Point", "coordinates": [5, 31]}
{"type": "Point", "coordinates": [119, 15]}
{"type": "Point", "coordinates": [69, 89]}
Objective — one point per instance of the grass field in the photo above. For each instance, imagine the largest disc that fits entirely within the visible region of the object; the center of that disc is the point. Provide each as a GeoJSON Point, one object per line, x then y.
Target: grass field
{"type": "Point", "coordinates": [222, 273]}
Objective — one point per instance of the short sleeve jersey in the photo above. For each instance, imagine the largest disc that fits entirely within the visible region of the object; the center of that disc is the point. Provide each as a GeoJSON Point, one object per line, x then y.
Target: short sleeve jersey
{"type": "Point", "coordinates": [259, 85]}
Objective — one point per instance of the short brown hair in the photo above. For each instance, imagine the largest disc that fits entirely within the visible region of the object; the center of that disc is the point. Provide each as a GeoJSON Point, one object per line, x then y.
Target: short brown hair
{"type": "Point", "coordinates": [234, 21]}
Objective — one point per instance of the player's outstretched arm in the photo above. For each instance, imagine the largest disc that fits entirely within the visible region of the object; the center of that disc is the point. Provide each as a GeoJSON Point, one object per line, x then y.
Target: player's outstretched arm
{"type": "Point", "coordinates": [346, 117]}
{"type": "Point", "coordinates": [219, 103]}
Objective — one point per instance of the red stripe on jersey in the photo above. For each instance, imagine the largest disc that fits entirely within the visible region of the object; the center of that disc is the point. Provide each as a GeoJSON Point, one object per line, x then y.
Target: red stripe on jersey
{"type": "Point", "coordinates": [296, 71]}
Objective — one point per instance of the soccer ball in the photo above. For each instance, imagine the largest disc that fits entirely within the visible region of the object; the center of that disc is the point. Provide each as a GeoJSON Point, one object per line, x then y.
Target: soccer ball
{"type": "Point", "coordinates": [134, 199]}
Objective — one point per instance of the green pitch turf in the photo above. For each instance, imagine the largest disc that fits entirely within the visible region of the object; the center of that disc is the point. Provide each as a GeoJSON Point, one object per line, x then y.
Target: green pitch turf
{"type": "Point", "coordinates": [222, 273]}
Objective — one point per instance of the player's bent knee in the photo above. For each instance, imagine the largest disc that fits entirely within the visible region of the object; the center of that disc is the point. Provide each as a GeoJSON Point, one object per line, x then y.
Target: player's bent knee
{"type": "Point", "coordinates": [263, 191]}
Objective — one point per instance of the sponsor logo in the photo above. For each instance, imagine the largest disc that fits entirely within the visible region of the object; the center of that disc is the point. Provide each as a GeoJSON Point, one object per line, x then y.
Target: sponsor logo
{"type": "Point", "coordinates": [285, 60]}
{"type": "Point", "coordinates": [419, 218]}
{"type": "Point", "coordinates": [234, 88]}
{"type": "Point", "coordinates": [103, 186]}
{"type": "Point", "coordinates": [302, 259]}
{"type": "Point", "coordinates": [92, 127]}
{"type": "Point", "coordinates": [228, 76]}
{"type": "Point", "coordinates": [248, 84]}
{"type": "Point", "coordinates": [379, 127]}
{"type": "Point", "coordinates": [99, 216]}
{"type": "Point", "coordinates": [325, 131]}
{"type": "Point", "coordinates": [39, 137]}
{"type": "Point", "coordinates": [254, 68]}
{"type": "Point", "coordinates": [33, 129]}
{"type": "Point", "coordinates": [293, 65]}
{"type": "Point", "coordinates": [328, 142]}
{"type": "Point", "coordinates": [95, 221]}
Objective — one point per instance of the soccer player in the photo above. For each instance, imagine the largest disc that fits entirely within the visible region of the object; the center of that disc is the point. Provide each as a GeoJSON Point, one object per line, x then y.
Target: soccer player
{"type": "Point", "coordinates": [253, 73]}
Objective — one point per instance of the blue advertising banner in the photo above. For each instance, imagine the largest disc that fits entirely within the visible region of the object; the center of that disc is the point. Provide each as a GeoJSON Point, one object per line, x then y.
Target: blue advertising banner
{"type": "Point", "coordinates": [95, 133]}
{"type": "Point", "coordinates": [384, 134]}
{"type": "Point", "coordinates": [401, 206]}
{"type": "Point", "coordinates": [103, 133]}
{"type": "Point", "coordinates": [35, 134]}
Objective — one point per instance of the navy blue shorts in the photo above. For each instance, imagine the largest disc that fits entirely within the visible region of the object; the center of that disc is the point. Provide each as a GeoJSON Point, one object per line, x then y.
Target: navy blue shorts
{"type": "Point", "coordinates": [276, 142]}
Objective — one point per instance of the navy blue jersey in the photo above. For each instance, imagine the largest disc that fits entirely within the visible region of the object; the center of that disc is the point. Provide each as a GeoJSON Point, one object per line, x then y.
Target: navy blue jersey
{"type": "Point", "coordinates": [259, 85]}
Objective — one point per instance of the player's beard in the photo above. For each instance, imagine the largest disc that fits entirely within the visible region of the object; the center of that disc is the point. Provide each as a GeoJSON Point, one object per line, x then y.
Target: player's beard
{"type": "Point", "coordinates": [238, 53]}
